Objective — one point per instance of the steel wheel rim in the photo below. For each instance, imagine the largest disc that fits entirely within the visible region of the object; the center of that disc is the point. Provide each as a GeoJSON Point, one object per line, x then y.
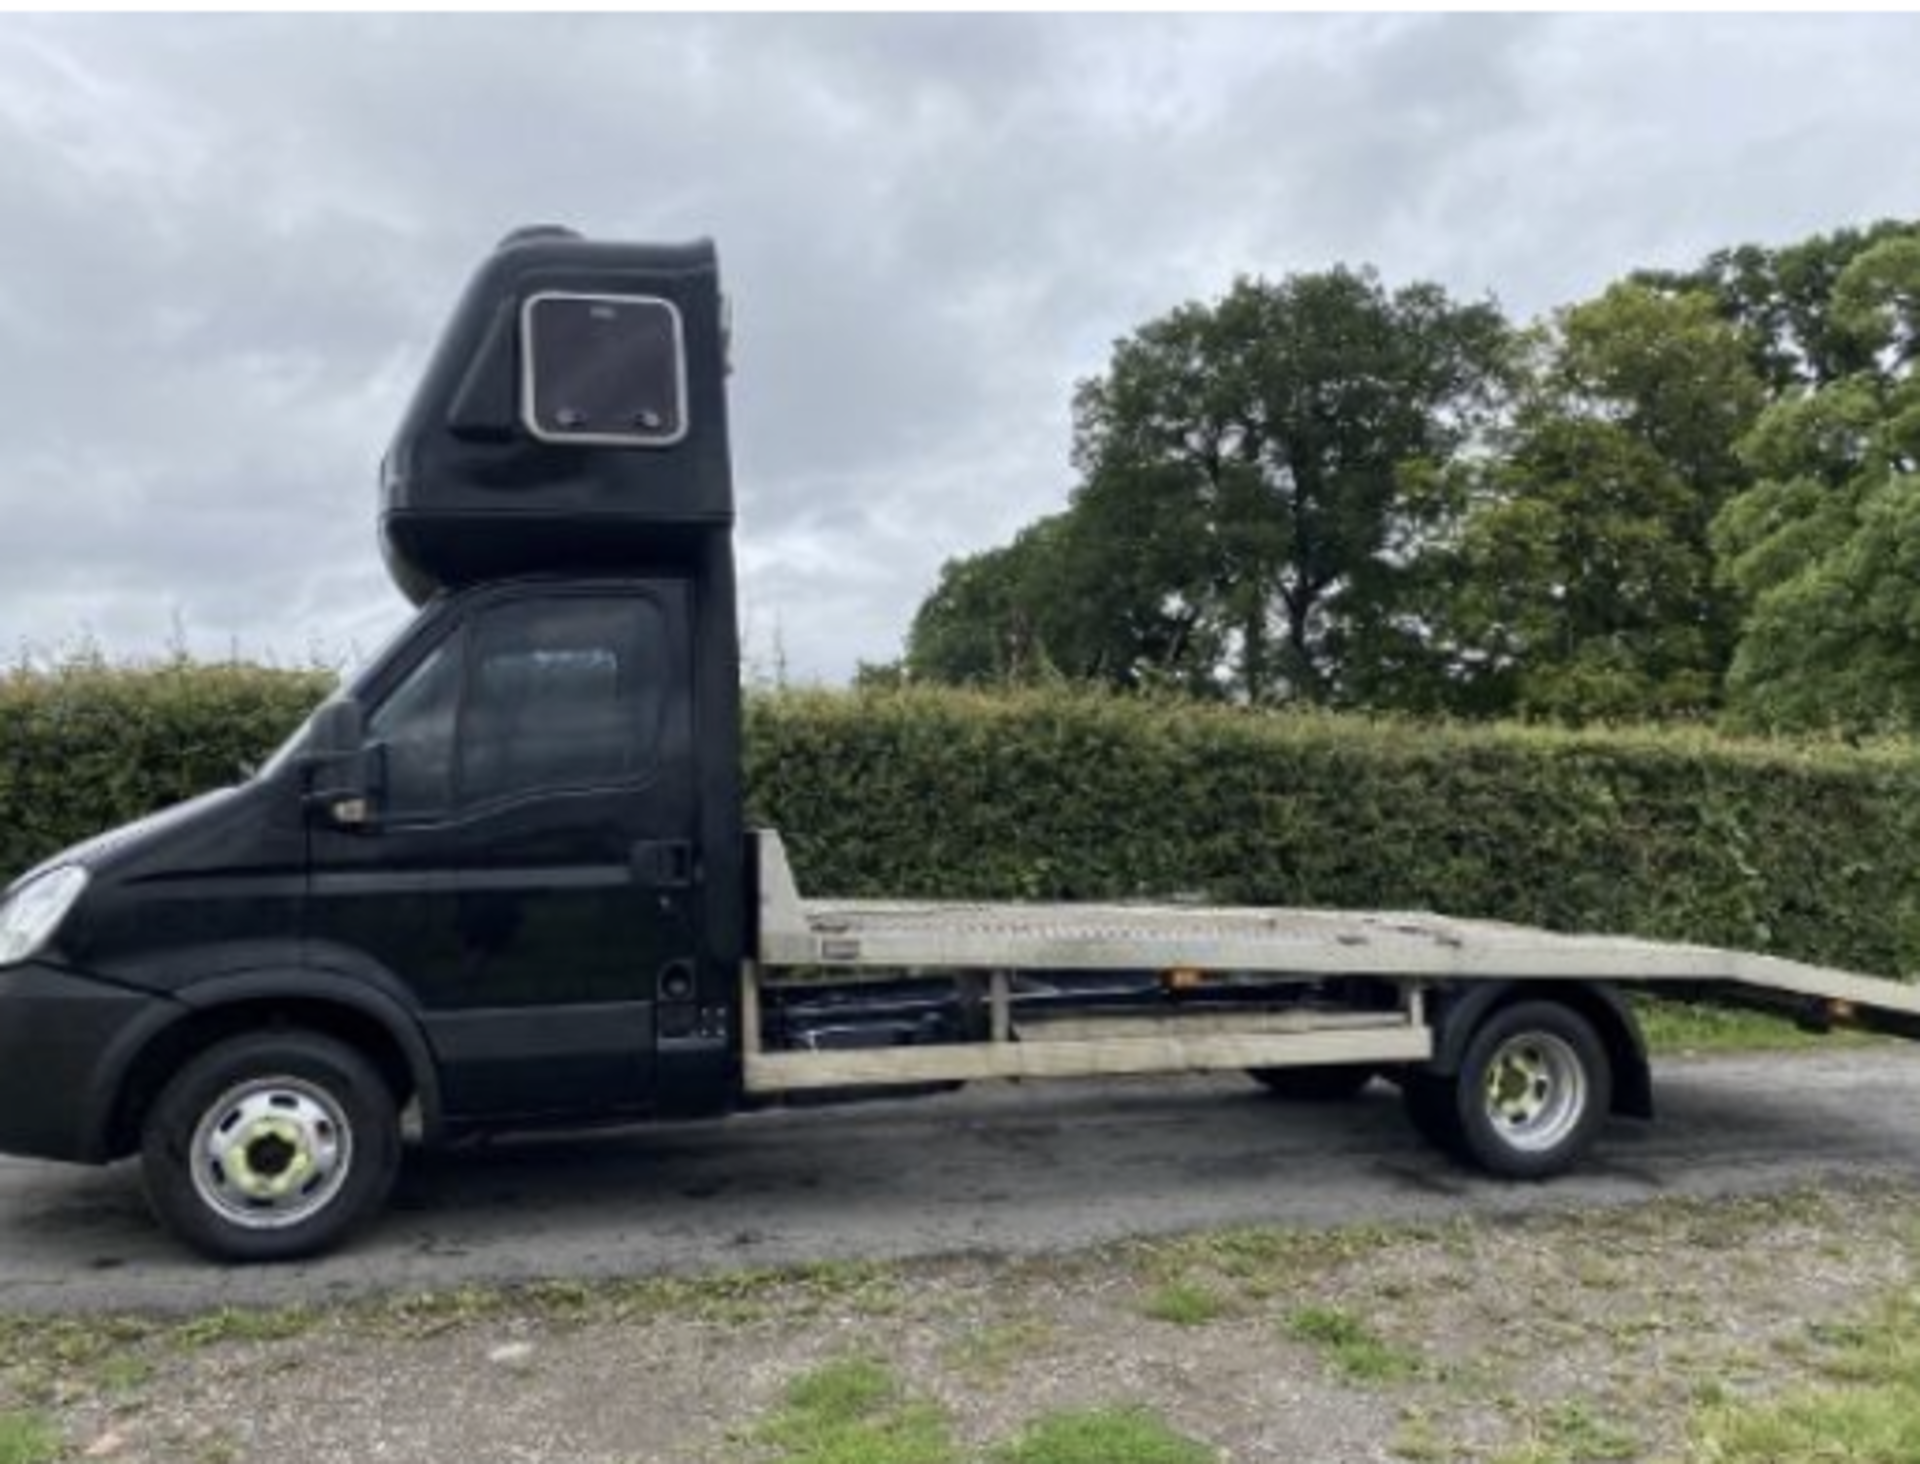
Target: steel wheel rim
{"type": "Point", "coordinates": [271, 1152]}
{"type": "Point", "coordinates": [1536, 1091]}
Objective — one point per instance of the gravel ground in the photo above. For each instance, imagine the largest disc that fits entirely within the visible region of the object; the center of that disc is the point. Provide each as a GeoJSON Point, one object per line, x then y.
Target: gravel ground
{"type": "Point", "coordinates": [1551, 1338]}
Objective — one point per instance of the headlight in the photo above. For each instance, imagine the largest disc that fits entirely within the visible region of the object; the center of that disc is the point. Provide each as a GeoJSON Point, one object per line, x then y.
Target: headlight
{"type": "Point", "coordinates": [34, 911]}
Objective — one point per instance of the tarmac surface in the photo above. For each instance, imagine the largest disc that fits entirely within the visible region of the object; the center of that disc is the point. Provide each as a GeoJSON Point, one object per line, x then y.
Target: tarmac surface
{"type": "Point", "coordinates": [999, 1169]}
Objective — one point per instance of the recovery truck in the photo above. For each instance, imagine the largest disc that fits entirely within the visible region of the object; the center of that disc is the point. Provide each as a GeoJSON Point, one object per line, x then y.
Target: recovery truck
{"type": "Point", "coordinates": [501, 879]}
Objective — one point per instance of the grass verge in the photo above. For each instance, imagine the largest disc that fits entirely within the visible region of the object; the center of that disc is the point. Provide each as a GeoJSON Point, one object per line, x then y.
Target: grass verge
{"type": "Point", "coordinates": [1575, 1432]}
{"type": "Point", "coordinates": [1102, 1436]}
{"type": "Point", "coordinates": [854, 1411]}
{"type": "Point", "coordinates": [27, 1438]}
{"type": "Point", "coordinates": [1355, 1350]}
{"type": "Point", "coordinates": [1867, 1411]}
{"type": "Point", "coordinates": [1183, 1303]}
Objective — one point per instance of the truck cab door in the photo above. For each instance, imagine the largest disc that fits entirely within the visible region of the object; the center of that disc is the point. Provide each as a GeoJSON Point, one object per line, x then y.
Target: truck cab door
{"type": "Point", "coordinates": [530, 863]}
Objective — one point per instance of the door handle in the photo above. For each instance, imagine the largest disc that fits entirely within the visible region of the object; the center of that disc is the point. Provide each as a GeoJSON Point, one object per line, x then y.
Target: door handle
{"type": "Point", "coordinates": [663, 863]}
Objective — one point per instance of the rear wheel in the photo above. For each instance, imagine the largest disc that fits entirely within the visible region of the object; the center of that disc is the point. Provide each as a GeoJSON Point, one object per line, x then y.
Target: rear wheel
{"type": "Point", "coordinates": [1533, 1090]}
{"type": "Point", "coordinates": [1332, 1083]}
{"type": "Point", "coordinates": [271, 1146]}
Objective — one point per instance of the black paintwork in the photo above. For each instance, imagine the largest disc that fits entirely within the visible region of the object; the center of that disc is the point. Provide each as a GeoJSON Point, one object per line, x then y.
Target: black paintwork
{"type": "Point", "coordinates": [64, 1041]}
{"type": "Point", "coordinates": [468, 493]}
{"type": "Point", "coordinates": [531, 932]}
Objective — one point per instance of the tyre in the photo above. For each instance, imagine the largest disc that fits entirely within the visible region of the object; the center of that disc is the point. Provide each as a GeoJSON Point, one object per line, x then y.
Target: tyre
{"type": "Point", "coordinates": [271, 1146]}
{"type": "Point", "coordinates": [1533, 1090]}
{"type": "Point", "coordinates": [1333, 1083]}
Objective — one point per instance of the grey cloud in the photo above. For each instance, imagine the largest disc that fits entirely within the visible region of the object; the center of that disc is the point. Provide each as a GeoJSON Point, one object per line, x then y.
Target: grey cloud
{"type": "Point", "coordinates": [228, 242]}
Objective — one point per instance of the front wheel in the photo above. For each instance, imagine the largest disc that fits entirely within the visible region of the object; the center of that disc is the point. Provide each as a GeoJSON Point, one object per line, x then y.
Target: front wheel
{"type": "Point", "coordinates": [1533, 1090]}
{"type": "Point", "coordinates": [271, 1146]}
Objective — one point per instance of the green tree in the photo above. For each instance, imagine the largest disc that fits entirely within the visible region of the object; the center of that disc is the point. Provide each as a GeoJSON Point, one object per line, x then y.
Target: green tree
{"type": "Point", "coordinates": [1581, 583]}
{"type": "Point", "coordinates": [1074, 596]}
{"type": "Point", "coordinates": [981, 624]}
{"type": "Point", "coordinates": [1255, 448]}
{"type": "Point", "coordinates": [1825, 549]}
{"type": "Point", "coordinates": [1685, 494]}
{"type": "Point", "coordinates": [1877, 304]}
{"type": "Point", "coordinates": [1576, 591]}
{"type": "Point", "coordinates": [1784, 298]}
{"type": "Point", "coordinates": [1671, 373]}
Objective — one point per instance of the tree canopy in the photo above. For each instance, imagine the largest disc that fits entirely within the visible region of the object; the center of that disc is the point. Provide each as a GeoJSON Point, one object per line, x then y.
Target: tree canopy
{"type": "Point", "coordinates": [1241, 525]}
{"type": "Point", "coordinates": [1824, 549]}
{"type": "Point", "coordinates": [1691, 496]}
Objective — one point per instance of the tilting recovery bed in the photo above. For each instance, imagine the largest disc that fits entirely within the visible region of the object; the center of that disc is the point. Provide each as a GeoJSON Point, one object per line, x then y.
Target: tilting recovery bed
{"type": "Point", "coordinates": [1242, 987]}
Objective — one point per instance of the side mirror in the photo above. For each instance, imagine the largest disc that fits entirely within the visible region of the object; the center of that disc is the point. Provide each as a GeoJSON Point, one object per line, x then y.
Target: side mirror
{"type": "Point", "coordinates": [338, 783]}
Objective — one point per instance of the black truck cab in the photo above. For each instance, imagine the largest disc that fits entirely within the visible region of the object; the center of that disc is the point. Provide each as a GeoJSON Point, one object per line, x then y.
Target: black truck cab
{"type": "Point", "coordinates": [500, 874]}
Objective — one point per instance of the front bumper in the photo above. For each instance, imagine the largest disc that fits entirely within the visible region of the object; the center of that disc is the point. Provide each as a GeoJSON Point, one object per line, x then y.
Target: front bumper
{"type": "Point", "coordinates": [64, 1043]}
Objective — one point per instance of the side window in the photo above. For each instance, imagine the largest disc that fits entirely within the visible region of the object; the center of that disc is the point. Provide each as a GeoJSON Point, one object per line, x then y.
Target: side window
{"type": "Point", "coordinates": [561, 693]}
{"type": "Point", "coordinates": [416, 723]}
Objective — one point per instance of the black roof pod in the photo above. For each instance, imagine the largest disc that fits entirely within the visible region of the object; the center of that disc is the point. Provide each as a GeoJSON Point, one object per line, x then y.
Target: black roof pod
{"type": "Point", "coordinates": [573, 418]}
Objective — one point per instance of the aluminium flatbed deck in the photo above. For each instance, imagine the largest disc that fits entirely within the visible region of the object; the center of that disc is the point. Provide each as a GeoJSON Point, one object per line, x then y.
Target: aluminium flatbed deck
{"type": "Point", "coordinates": [801, 940]}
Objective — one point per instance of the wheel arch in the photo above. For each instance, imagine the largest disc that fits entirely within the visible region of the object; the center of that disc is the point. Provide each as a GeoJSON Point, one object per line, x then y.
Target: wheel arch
{"type": "Point", "coordinates": [367, 1019]}
{"type": "Point", "coordinates": [1460, 1011]}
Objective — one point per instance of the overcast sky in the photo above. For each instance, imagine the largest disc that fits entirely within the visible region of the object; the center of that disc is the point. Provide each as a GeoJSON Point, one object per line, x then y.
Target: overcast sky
{"type": "Point", "coordinates": [227, 244]}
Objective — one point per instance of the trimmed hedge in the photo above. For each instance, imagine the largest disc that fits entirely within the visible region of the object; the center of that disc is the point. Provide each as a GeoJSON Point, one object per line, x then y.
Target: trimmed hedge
{"type": "Point", "coordinates": [89, 746]}
{"type": "Point", "coordinates": [1800, 849]}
